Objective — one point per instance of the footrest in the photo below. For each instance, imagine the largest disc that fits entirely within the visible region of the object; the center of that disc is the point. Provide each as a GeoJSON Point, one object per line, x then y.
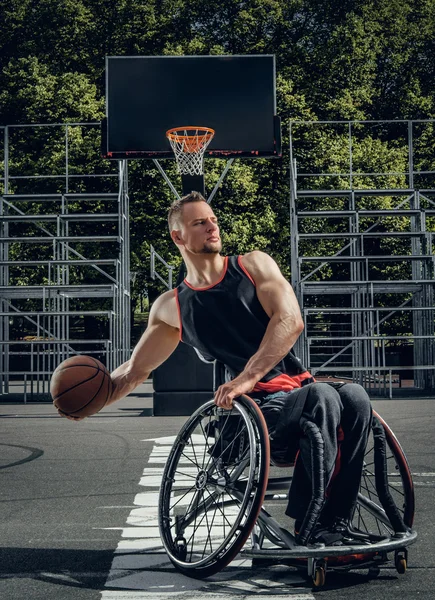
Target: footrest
{"type": "Point", "coordinates": [322, 551]}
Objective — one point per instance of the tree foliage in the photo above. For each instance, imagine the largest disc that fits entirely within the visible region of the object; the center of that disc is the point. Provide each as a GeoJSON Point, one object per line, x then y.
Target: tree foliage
{"type": "Point", "coordinates": [336, 60]}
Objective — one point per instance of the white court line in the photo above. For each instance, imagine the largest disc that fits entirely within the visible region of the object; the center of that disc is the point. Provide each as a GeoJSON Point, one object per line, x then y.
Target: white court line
{"type": "Point", "coordinates": [141, 569]}
{"type": "Point", "coordinates": [396, 474]}
{"type": "Point", "coordinates": [171, 593]}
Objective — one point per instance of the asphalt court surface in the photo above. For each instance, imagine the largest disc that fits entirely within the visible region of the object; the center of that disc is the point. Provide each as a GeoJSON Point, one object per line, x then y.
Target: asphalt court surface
{"type": "Point", "coordinates": [78, 512]}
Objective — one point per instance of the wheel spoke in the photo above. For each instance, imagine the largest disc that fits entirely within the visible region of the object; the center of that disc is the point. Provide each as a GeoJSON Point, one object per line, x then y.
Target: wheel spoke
{"type": "Point", "coordinates": [220, 441]}
{"type": "Point", "coordinates": [369, 480]}
{"type": "Point", "coordinates": [230, 446]}
{"type": "Point", "coordinates": [189, 459]}
{"type": "Point", "coordinates": [195, 528]}
{"type": "Point", "coordinates": [207, 447]}
{"type": "Point", "coordinates": [366, 516]}
{"type": "Point", "coordinates": [181, 498]}
{"type": "Point", "coordinates": [396, 490]}
{"type": "Point", "coordinates": [194, 509]}
{"type": "Point", "coordinates": [236, 500]}
{"type": "Point", "coordinates": [240, 466]}
{"type": "Point", "coordinates": [361, 520]}
{"type": "Point", "coordinates": [222, 511]}
{"type": "Point", "coordinates": [193, 450]}
{"type": "Point", "coordinates": [208, 535]}
{"type": "Point", "coordinates": [193, 502]}
{"type": "Point", "coordinates": [185, 474]}
{"type": "Point", "coordinates": [210, 529]}
{"type": "Point", "coordinates": [212, 516]}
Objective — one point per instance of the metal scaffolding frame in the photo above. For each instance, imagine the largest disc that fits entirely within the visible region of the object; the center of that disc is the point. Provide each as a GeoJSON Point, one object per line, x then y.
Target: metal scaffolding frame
{"type": "Point", "coordinates": [42, 231]}
{"type": "Point", "coordinates": [354, 312]}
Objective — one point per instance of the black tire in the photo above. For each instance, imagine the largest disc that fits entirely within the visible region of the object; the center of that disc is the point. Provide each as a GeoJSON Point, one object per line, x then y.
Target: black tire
{"type": "Point", "coordinates": [213, 486]}
{"type": "Point", "coordinates": [386, 498]}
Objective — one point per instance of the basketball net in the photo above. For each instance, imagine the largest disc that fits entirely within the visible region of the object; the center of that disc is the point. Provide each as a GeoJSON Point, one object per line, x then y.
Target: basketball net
{"type": "Point", "coordinates": [189, 145]}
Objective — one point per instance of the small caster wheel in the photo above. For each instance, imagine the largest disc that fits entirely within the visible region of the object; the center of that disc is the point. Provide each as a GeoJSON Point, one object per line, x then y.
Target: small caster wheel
{"type": "Point", "coordinates": [181, 548]}
{"type": "Point", "coordinates": [374, 571]}
{"type": "Point", "coordinates": [401, 561]}
{"type": "Point", "coordinates": [319, 577]}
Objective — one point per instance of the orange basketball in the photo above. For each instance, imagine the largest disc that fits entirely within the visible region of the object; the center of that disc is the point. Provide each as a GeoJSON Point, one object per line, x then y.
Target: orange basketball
{"type": "Point", "coordinates": [80, 386]}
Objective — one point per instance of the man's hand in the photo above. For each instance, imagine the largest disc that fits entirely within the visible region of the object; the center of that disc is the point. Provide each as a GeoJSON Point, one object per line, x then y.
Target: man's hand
{"type": "Point", "coordinates": [226, 393]}
{"type": "Point", "coordinates": [70, 417]}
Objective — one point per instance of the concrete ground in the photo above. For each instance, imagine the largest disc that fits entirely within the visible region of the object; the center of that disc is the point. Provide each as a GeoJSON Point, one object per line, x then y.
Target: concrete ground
{"type": "Point", "coordinates": [78, 506]}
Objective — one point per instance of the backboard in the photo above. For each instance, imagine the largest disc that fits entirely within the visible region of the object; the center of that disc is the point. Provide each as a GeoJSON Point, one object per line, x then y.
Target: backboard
{"type": "Point", "coordinates": [234, 95]}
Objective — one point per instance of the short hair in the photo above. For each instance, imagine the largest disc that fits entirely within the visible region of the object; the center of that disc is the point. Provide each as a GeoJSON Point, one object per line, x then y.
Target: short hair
{"type": "Point", "coordinates": [175, 213]}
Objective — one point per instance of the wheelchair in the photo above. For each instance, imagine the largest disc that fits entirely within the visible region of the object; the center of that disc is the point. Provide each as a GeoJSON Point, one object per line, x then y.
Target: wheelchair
{"type": "Point", "coordinates": [216, 485]}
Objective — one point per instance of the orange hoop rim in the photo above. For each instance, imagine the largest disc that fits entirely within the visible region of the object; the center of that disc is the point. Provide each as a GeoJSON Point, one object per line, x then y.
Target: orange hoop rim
{"type": "Point", "coordinates": [189, 144]}
{"type": "Point", "coordinates": [171, 133]}
{"type": "Point", "coordinates": [193, 142]}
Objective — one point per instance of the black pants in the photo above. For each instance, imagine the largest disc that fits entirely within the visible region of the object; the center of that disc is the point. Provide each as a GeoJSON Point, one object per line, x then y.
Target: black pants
{"type": "Point", "coordinates": [329, 408]}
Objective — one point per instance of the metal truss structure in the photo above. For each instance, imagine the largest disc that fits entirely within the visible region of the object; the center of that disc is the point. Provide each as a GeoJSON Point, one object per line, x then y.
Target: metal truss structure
{"type": "Point", "coordinates": [363, 254]}
{"type": "Point", "coordinates": [64, 255]}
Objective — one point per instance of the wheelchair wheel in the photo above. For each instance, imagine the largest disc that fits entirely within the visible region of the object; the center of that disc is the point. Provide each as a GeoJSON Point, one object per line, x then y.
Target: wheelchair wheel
{"type": "Point", "coordinates": [213, 486]}
{"type": "Point", "coordinates": [385, 504]}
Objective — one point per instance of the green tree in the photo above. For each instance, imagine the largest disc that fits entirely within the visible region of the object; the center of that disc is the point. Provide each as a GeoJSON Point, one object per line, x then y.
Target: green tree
{"type": "Point", "coordinates": [336, 59]}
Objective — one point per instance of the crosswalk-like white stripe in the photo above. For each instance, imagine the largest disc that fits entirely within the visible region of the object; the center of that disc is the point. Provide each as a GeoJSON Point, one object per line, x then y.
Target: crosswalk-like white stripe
{"type": "Point", "coordinates": [396, 474]}
{"type": "Point", "coordinates": [152, 477]}
{"type": "Point", "coordinates": [417, 484]}
{"type": "Point", "coordinates": [141, 569]}
{"type": "Point", "coordinates": [288, 594]}
{"type": "Point", "coordinates": [143, 517]}
{"type": "Point", "coordinates": [147, 499]}
{"type": "Point", "coordinates": [169, 440]}
{"type": "Point", "coordinates": [146, 545]}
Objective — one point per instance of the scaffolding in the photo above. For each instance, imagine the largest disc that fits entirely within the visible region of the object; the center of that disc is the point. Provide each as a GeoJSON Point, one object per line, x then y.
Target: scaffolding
{"type": "Point", "coordinates": [64, 255]}
{"type": "Point", "coordinates": [363, 253]}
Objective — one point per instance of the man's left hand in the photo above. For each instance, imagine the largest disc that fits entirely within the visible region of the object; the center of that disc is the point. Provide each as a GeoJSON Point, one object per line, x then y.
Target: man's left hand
{"type": "Point", "coordinates": [226, 393]}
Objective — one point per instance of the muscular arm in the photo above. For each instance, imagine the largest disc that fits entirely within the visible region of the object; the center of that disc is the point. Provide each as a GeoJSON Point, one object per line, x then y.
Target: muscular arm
{"type": "Point", "coordinates": [279, 302]}
{"type": "Point", "coordinates": [285, 326]}
{"type": "Point", "coordinates": [157, 343]}
{"type": "Point", "coordinates": [280, 336]}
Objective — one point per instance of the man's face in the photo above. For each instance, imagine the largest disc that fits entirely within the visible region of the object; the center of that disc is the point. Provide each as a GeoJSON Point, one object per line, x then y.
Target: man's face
{"type": "Point", "coordinates": [200, 232]}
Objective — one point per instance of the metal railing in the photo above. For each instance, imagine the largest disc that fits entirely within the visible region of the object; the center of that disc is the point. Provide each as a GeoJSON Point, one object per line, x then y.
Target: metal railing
{"type": "Point", "coordinates": [350, 283]}
{"type": "Point", "coordinates": [154, 274]}
{"type": "Point", "coordinates": [42, 218]}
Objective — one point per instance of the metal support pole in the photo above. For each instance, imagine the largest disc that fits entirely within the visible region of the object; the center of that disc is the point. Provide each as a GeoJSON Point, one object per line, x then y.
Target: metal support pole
{"type": "Point", "coordinates": [300, 347]}
{"type": "Point", "coordinates": [221, 178]}
{"type": "Point", "coordinates": [66, 160]}
{"type": "Point", "coordinates": [410, 156]}
{"type": "Point", "coordinates": [350, 157]}
{"type": "Point", "coordinates": [5, 363]}
{"type": "Point", "coordinates": [166, 178]}
{"type": "Point", "coordinates": [6, 153]}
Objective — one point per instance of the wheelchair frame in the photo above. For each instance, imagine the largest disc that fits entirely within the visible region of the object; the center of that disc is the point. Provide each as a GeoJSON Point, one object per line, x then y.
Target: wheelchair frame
{"type": "Point", "coordinates": [233, 475]}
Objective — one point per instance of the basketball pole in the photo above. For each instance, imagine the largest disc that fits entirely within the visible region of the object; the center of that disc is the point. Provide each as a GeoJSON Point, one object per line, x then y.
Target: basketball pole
{"type": "Point", "coordinates": [193, 183]}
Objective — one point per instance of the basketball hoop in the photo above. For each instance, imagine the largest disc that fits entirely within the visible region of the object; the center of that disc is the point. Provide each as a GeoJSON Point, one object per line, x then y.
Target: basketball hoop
{"type": "Point", "coordinates": [189, 145]}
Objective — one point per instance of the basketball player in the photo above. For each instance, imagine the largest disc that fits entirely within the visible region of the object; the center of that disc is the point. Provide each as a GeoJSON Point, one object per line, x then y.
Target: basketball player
{"type": "Point", "coordinates": [241, 311]}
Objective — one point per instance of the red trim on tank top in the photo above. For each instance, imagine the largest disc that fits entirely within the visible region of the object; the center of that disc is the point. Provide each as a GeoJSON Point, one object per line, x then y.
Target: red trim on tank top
{"type": "Point", "coordinates": [239, 260]}
{"type": "Point", "coordinates": [283, 382]}
{"type": "Point", "coordinates": [197, 289]}
{"type": "Point", "coordinates": [179, 312]}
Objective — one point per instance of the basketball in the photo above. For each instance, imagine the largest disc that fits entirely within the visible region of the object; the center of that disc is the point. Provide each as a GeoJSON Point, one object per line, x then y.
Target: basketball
{"type": "Point", "coordinates": [80, 386]}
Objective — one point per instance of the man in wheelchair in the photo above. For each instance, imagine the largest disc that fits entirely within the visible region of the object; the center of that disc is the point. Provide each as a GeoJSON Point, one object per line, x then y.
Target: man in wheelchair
{"type": "Point", "coordinates": [241, 312]}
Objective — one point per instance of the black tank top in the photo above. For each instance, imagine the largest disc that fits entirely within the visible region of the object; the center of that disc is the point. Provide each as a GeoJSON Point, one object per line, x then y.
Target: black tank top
{"type": "Point", "coordinates": [227, 322]}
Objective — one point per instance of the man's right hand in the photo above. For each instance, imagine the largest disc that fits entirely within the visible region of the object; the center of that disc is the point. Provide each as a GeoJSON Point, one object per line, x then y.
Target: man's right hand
{"type": "Point", "coordinates": [70, 417]}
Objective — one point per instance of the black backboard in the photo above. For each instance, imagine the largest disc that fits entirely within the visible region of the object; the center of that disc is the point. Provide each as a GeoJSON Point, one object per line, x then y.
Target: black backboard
{"type": "Point", "coordinates": [147, 95]}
